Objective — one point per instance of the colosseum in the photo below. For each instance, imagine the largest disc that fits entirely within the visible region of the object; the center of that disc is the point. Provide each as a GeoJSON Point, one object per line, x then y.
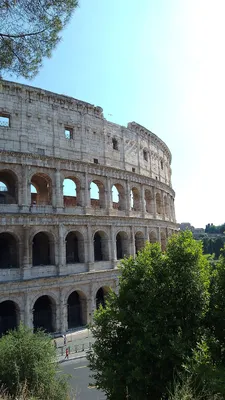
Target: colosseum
{"type": "Point", "coordinates": [77, 194]}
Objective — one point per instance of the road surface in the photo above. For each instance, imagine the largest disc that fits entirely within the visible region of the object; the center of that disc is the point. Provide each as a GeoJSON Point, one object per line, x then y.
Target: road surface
{"type": "Point", "coordinates": [80, 380]}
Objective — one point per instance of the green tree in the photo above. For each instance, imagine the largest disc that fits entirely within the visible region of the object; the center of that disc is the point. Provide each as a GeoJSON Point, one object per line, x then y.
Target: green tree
{"type": "Point", "coordinates": [28, 360]}
{"type": "Point", "coordinates": [29, 31]}
{"type": "Point", "coordinates": [146, 332]}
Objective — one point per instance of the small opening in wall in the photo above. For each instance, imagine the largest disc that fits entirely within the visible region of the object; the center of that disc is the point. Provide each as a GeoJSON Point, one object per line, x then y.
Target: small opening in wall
{"type": "Point", "coordinates": [156, 177]}
{"type": "Point", "coordinates": [115, 144]}
{"type": "Point", "coordinates": [4, 120]}
{"type": "Point", "coordinates": [68, 132]}
{"type": "Point", "coordinates": [95, 160]}
{"type": "Point", "coordinates": [133, 169]}
{"type": "Point", "coordinates": [145, 155]}
{"type": "Point", "coordinates": [161, 164]}
{"type": "Point", "coordinates": [41, 152]}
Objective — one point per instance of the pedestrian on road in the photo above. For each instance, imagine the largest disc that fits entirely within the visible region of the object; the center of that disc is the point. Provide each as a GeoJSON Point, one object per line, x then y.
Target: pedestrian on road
{"type": "Point", "coordinates": [67, 353]}
{"type": "Point", "coordinates": [55, 344]}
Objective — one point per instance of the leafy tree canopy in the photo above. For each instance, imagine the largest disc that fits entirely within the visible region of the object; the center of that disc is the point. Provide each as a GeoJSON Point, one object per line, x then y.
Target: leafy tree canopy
{"type": "Point", "coordinates": [29, 31]}
{"type": "Point", "coordinates": [28, 360]}
{"type": "Point", "coordinates": [146, 331]}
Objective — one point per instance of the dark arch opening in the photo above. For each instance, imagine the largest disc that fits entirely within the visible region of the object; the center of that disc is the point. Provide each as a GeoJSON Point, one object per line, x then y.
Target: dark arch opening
{"type": "Point", "coordinates": [8, 187]}
{"type": "Point", "coordinates": [101, 297]}
{"type": "Point", "coordinates": [121, 245]}
{"type": "Point", "coordinates": [42, 250]}
{"type": "Point", "coordinates": [43, 186]}
{"type": "Point", "coordinates": [139, 242]}
{"type": "Point", "coordinates": [75, 311]}
{"type": "Point", "coordinates": [44, 314]}
{"type": "Point", "coordinates": [74, 248]}
{"type": "Point", "coordinates": [9, 316]}
{"type": "Point", "coordinates": [98, 247]}
{"type": "Point", "coordinates": [8, 251]}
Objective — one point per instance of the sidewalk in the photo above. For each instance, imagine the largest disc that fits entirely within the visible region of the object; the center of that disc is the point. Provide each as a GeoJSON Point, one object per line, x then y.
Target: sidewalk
{"type": "Point", "coordinates": [77, 343]}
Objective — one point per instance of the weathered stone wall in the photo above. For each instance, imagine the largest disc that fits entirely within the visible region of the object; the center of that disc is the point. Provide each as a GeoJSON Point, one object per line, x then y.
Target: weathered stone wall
{"type": "Point", "coordinates": [50, 138]}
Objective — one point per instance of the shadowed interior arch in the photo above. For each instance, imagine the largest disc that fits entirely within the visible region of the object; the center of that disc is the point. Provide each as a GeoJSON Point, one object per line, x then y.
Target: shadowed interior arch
{"type": "Point", "coordinates": [9, 316]}
{"type": "Point", "coordinates": [43, 249]}
{"type": "Point", "coordinates": [76, 310]}
{"type": "Point", "coordinates": [44, 314]}
{"type": "Point", "coordinates": [8, 187]}
{"type": "Point", "coordinates": [9, 257]}
{"type": "Point", "coordinates": [74, 248]}
{"type": "Point", "coordinates": [43, 185]}
{"type": "Point", "coordinates": [101, 296]}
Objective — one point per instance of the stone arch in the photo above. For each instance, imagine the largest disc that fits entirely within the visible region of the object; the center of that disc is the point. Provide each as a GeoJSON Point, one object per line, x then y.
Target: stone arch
{"type": "Point", "coordinates": [101, 246]}
{"type": "Point", "coordinates": [9, 316]}
{"type": "Point", "coordinates": [8, 187]}
{"type": "Point", "coordinates": [149, 201]}
{"type": "Point", "coordinates": [9, 250]}
{"type": "Point", "coordinates": [139, 241]}
{"type": "Point", "coordinates": [101, 296]}
{"type": "Point", "coordinates": [71, 192]}
{"type": "Point", "coordinates": [115, 144]}
{"type": "Point", "coordinates": [97, 194]}
{"type": "Point", "coordinates": [152, 237]}
{"type": "Point", "coordinates": [76, 309]}
{"type": "Point", "coordinates": [163, 241]}
{"type": "Point", "coordinates": [44, 313]}
{"type": "Point", "coordinates": [118, 200]}
{"type": "Point", "coordinates": [75, 252]}
{"type": "Point", "coordinates": [122, 245]}
{"type": "Point", "coordinates": [43, 185]}
{"type": "Point", "coordinates": [135, 199]}
{"type": "Point", "coordinates": [158, 203]}
{"type": "Point", "coordinates": [43, 249]}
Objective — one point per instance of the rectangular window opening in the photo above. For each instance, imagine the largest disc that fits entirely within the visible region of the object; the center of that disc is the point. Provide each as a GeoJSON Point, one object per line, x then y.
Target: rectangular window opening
{"type": "Point", "coordinates": [161, 164]}
{"type": "Point", "coordinates": [68, 132]}
{"type": "Point", "coordinates": [41, 152]}
{"type": "Point", "coordinates": [133, 169]}
{"type": "Point", "coordinates": [4, 120]}
{"type": "Point", "coordinates": [95, 160]}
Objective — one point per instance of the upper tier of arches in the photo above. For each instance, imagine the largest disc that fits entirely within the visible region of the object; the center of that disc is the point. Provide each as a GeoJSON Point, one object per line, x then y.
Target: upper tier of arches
{"type": "Point", "coordinates": [73, 191]}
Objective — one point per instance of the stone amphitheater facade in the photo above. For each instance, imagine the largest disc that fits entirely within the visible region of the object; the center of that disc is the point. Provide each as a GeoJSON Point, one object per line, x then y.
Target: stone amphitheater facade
{"type": "Point", "coordinates": [59, 252]}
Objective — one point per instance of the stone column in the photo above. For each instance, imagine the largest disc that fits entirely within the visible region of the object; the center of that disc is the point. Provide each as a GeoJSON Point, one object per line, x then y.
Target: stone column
{"type": "Point", "coordinates": [132, 242]}
{"type": "Point", "coordinates": [128, 197]}
{"type": "Point", "coordinates": [26, 247]}
{"type": "Point", "coordinates": [87, 200]}
{"type": "Point", "coordinates": [90, 249]}
{"type": "Point", "coordinates": [154, 202]}
{"type": "Point", "coordinates": [28, 313]}
{"type": "Point", "coordinates": [146, 235]}
{"type": "Point", "coordinates": [63, 325]}
{"type": "Point", "coordinates": [143, 203]}
{"type": "Point", "coordinates": [113, 247]}
{"type": "Point", "coordinates": [61, 251]}
{"type": "Point", "coordinates": [24, 195]}
{"type": "Point", "coordinates": [109, 200]}
{"type": "Point", "coordinates": [163, 205]}
{"type": "Point", "coordinates": [58, 189]}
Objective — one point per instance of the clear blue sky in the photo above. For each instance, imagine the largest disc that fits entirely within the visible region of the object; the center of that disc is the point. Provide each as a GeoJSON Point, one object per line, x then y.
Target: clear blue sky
{"type": "Point", "coordinates": [160, 63]}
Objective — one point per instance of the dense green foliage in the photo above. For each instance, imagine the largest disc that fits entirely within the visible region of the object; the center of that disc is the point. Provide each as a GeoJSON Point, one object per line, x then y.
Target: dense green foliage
{"type": "Point", "coordinates": [29, 31]}
{"type": "Point", "coordinates": [147, 332]}
{"type": "Point", "coordinates": [28, 362]}
{"type": "Point", "coordinates": [213, 245]}
{"type": "Point", "coordinates": [218, 229]}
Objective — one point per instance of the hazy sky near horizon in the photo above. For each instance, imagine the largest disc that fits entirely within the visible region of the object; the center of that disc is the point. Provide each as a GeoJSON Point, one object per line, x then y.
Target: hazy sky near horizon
{"type": "Point", "coordinates": [160, 63]}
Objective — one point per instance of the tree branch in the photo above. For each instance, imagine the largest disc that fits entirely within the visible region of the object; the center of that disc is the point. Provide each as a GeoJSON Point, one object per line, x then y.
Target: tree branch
{"type": "Point", "coordinates": [22, 35]}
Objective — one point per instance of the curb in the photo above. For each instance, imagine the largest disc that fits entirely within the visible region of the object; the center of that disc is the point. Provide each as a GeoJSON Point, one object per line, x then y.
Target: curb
{"type": "Point", "coordinates": [72, 358]}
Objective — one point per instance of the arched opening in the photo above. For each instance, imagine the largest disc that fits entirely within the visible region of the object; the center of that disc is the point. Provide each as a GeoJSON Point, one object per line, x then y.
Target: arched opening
{"type": "Point", "coordinates": [101, 251]}
{"type": "Point", "coordinates": [71, 192]}
{"type": "Point", "coordinates": [9, 316]}
{"type": "Point", "coordinates": [101, 297]}
{"type": "Point", "coordinates": [118, 197]}
{"type": "Point", "coordinates": [44, 314]}
{"type": "Point", "coordinates": [42, 195]}
{"type": "Point", "coordinates": [163, 241]}
{"type": "Point", "coordinates": [149, 202]}
{"type": "Point", "coordinates": [152, 237]}
{"type": "Point", "coordinates": [9, 257]}
{"type": "Point", "coordinates": [74, 248]}
{"type": "Point", "coordinates": [76, 310]}
{"type": "Point", "coordinates": [115, 144]}
{"type": "Point", "coordinates": [8, 187]}
{"type": "Point", "coordinates": [135, 199]}
{"type": "Point", "coordinates": [97, 194]}
{"type": "Point", "coordinates": [43, 249]}
{"type": "Point", "coordinates": [121, 245]}
{"type": "Point", "coordinates": [139, 241]}
{"type": "Point", "coordinates": [158, 204]}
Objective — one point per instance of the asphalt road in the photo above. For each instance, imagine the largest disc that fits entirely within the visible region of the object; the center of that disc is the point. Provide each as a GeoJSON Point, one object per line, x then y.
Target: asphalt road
{"type": "Point", "coordinates": [80, 381]}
